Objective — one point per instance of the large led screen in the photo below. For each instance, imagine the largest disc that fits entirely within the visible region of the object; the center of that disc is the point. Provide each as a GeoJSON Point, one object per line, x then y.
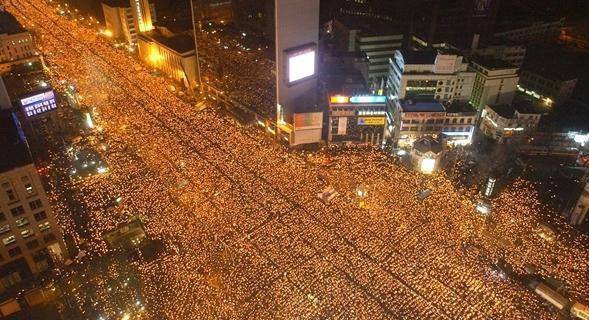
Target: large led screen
{"type": "Point", "coordinates": [301, 64]}
{"type": "Point", "coordinates": [39, 103]}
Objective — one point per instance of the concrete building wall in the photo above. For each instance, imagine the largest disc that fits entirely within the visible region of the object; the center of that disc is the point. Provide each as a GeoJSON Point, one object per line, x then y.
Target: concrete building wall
{"type": "Point", "coordinates": [27, 223]}
{"type": "Point", "coordinates": [16, 46]}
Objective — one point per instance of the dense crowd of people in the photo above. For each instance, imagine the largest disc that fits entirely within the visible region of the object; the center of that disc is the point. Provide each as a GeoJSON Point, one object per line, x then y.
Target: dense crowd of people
{"type": "Point", "coordinates": [246, 236]}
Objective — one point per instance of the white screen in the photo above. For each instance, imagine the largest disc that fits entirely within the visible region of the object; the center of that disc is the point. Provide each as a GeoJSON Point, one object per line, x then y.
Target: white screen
{"type": "Point", "coordinates": [301, 66]}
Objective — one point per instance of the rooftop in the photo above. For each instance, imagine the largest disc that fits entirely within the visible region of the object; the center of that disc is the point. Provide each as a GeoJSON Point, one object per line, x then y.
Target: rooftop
{"type": "Point", "coordinates": [427, 144]}
{"type": "Point", "coordinates": [181, 43]}
{"type": "Point", "coordinates": [15, 150]}
{"type": "Point", "coordinates": [521, 104]}
{"type": "Point", "coordinates": [9, 24]}
{"type": "Point", "coordinates": [420, 57]}
{"type": "Point", "coordinates": [421, 105]}
{"type": "Point", "coordinates": [460, 107]}
{"type": "Point", "coordinates": [117, 3]}
{"type": "Point", "coordinates": [492, 63]}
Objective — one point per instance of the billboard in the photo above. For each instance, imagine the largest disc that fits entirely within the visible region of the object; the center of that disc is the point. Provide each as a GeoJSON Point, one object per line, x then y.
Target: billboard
{"type": "Point", "coordinates": [371, 121]}
{"type": "Point", "coordinates": [301, 63]}
{"type": "Point", "coordinates": [39, 103]}
{"type": "Point", "coordinates": [368, 99]}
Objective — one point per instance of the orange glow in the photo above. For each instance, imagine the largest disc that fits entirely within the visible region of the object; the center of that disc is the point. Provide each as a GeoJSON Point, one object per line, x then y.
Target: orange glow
{"type": "Point", "coordinates": [339, 99]}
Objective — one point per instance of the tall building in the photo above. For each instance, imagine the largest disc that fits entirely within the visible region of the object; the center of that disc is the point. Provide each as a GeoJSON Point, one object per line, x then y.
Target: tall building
{"type": "Point", "coordinates": [31, 238]}
{"type": "Point", "coordinates": [297, 36]}
{"type": "Point", "coordinates": [546, 82]}
{"type": "Point", "coordinates": [377, 39]}
{"type": "Point", "coordinates": [358, 119]}
{"type": "Point", "coordinates": [495, 83]}
{"type": "Point", "coordinates": [440, 74]}
{"type": "Point", "coordinates": [125, 19]}
{"type": "Point", "coordinates": [16, 43]}
{"type": "Point", "coordinates": [455, 21]}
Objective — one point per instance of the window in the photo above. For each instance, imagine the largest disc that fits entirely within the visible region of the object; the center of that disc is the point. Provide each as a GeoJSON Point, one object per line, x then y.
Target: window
{"type": "Point", "coordinates": [32, 244]}
{"type": "Point", "coordinates": [13, 252]}
{"type": "Point", "coordinates": [40, 216]}
{"type": "Point", "coordinates": [461, 120]}
{"type": "Point", "coordinates": [49, 238]}
{"type": "Point", "coordinates": [27, 233]}
{"type": "Point", "coordinates": [28, 185]}
{"type": "Point", "coordinates": [17, 211]}
{"type": "Point", "coordinates": [35, 204]}
{"type": "Point", "coordinates": [10, 195]}
{"type": "Point", "coordinates": [2, 216]}
{"type": "Point", "coordinates": [44, 226]}
{"type": "Point", "coordinates": [5, 228]}
{"type": "Point", "coordinates": [8, 240]}
{"type": "Point", "coordinates": [21, 222]}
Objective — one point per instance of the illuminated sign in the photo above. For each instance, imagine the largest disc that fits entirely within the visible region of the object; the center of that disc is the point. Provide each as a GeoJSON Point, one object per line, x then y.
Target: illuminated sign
{"type": "Point", "coordinates": [371, 121]}
{"type": "Point", "coordinates": [339, 99]}
{"type": "Point", "coordinates": [368, 99]}
{"type": "Point", "coordinates": [39, 103]}
{"type": "Point", "coordinates": [301, 64]}
{"type": "Point", "coordinates": [490, 187]}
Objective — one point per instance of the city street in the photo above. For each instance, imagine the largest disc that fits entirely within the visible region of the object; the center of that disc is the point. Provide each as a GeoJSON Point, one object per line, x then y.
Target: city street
{"type": "Point", "coordinates": [246, 236]}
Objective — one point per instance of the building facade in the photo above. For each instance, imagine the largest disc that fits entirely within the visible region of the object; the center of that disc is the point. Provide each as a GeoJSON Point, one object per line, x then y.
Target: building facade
{"type": "Point", "coordinates": [510, 53]}
{"type": "Point", "coordinates": [440, 74]}
{"type": "Point", "coordinates": [174, 55]}
{"type": "Point", "coordinates": [495, 82]}
{"type": "Point", "coordinates": [550, 87]}
{"type": "Point", "coordinates": [536, 32]}
{"type": "Point", "coordinates": [509, 123]}
{"type": "Point", "coordinates": [16, 43]}
{"type": "Point", "coordinates": [357, 119]}
{"type": "Point", "coordinates": [31, 237]}
{"type": "Point", "coordinates": [126, 19]}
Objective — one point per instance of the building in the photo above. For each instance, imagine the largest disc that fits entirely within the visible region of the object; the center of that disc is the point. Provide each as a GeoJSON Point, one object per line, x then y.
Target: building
{"type": "Point", "coordinates": [16, 43]}
{"type": "Point", "coordinates": [510, 123]}
{"type": "Point", "coordinates": [510, 53]}
{"type": "Point", "coordinates": [547, 83]}
{"type": "Point", "coordinates": [359, 119]}
{"type": "Point", "coordinates": [413, 119]}
{"type": "Point", "coordinates": [460, 123]}
{"type": "Point", "coordinates": [495, 82]}
{"type": "Point", "coordinates": [543, 31]}
{"type": "Point", "coordinates": [31, 237]}
{"type": "Point", "coordinates": [172, 54]}
{"type": "Point", "coordinates": [455, 21]}
{"type": "Point", "coordinates": [218, 11]}
{"type": "Point", "coordinates": [440, 74]}
{"type": "Point", "coordinates": [125, 19]}
{"type": "Point", "coordinates": [377, 39]}
{"type": "Point", "coordinates": [426, 154]}
{"type": "Point", "coordinates": [297, 37]}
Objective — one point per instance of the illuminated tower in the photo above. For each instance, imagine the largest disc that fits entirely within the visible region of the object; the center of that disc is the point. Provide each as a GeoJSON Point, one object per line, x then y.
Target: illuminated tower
{"type": "Point", "coordinates": [142, 15]}
{"type": "Point", "coordinates": [297, 35]}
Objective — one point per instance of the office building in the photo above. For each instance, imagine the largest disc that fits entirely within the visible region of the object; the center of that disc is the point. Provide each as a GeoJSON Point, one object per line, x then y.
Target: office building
{"type": "Point", "coordinates": [377, 39]}
{"type": "Point", "coordinates": [172, 54]}
{"type": "Point", "coordinates": [218, 11]}
{"type": "Point", "coordinates": [440, 74]}
{"type": "Point", "coordinates": [547, 83]}
{"type": "Point", "coordinates": [297, 34]}
{"type": "Point", "coordinates": [125, 19]}
{"type": "Point", "coordinates": [455, 21]}
{"type": "Point", "coordinates": [459, 124]}
{"type": "Point", "coordinates": [495, 82]}
{"type": "Point", "coordinates": [510, 53]}
{"type": "Point", "coordinates": [16, 43]}
{"type": "Point", "coordinates": [31, 238]}
{"type": "Point", "coordinates": [358, 119]}
{"type": "Point", "coordinates": [510, 123]}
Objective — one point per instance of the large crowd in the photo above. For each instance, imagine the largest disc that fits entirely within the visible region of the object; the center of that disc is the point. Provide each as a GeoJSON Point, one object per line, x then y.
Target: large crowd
{"type": "Point", "coordinates": [246, 236]}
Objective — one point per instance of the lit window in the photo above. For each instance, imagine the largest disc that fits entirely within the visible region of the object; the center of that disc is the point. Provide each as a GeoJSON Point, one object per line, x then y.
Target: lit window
{"type": "Point", "coordinates": [44, 226]}
{"type": "Point", "coordinates": [26, 233]}
{"type": "Point", "coordinates": [9, 240]}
